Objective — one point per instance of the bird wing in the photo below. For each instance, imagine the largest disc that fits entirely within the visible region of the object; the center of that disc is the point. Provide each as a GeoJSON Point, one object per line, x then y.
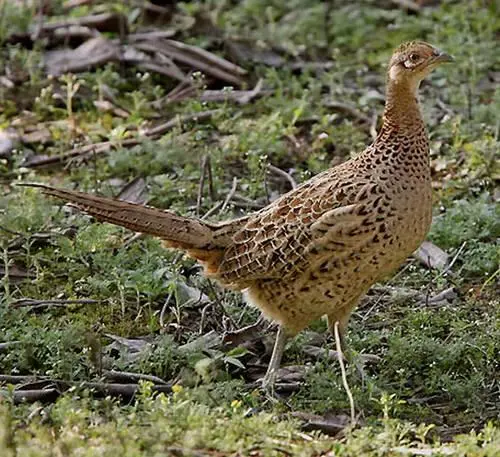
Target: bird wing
{"type": "Point", "coordinates": [316, 220]}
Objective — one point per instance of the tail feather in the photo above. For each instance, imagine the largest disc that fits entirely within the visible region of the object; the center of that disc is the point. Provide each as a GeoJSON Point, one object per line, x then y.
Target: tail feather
{"type": "Point", "coordinates": [184, 232]}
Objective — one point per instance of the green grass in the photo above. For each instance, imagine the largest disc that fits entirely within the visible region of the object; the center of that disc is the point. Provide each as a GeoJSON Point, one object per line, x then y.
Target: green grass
{"type": "Point", "coordinates": [437, 381]}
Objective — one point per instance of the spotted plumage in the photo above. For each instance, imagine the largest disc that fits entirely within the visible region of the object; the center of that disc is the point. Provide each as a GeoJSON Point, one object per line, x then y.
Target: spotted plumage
{"type": "Point", "coordinates": [316, 250]}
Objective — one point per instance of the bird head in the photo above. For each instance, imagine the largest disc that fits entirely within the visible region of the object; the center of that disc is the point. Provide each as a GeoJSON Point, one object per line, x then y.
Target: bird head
{"type": "Point", "coordinates": [411, 62]}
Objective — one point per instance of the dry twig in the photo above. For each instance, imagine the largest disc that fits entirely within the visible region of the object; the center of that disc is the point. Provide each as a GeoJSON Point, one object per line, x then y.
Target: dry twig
{"type": "Point", "coordinates": [230, 195]}
{"type": "Point", "coordinates": [161, 129]}
{"type": "Point", "coordinates": [283, 174]}
{"type": "Point", "coordinates": [201, 185]}
{"type": "Point", "coordinates": [126, 376]}
{"type": "Point", "coordinates": [35, 304]}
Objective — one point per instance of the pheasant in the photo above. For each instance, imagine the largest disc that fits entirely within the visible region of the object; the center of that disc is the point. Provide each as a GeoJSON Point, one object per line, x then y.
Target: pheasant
{"type": "Point", "coordinates": [316, 250]}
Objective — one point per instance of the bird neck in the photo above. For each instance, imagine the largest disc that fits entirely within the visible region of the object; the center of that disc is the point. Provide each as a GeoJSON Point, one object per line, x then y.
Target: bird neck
{"type": "Point", "coordinates": [402, 109]}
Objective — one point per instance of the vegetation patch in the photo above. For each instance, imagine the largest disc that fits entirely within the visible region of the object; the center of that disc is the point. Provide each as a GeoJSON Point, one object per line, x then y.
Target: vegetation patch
{"type": "Point", "coordinates": [109, 341]}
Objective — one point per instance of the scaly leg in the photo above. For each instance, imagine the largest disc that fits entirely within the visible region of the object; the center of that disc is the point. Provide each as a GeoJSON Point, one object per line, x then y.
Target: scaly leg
{"type": "Point", "coordinates": [343, 320]}
{"type": "Point", "coordinates": [357, 360]}
{"type": "Point", "coordinates": [274, 364]}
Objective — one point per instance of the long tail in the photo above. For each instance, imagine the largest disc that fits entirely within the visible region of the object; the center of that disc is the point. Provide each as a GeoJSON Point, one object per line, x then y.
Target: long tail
{"type": "Point", "coordinates": [182, 232]}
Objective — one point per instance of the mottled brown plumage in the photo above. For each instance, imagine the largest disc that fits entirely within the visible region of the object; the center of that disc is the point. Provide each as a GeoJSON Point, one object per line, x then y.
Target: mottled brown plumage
{"type": "Point", "coordinates": [316, 250]}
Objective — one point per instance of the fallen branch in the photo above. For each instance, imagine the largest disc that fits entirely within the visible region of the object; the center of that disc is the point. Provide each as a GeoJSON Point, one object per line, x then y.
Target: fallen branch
{"type": "Point", "coordinates": [241, 97]}
{"type": "Point", "coordinates": [15, 273]}
{"type": "Point", "coordinates": [50, 394]}
{"type": "Point", "coordinates": [81, 152]}
{"type": "Point", "coordinates": [245, 202]}
{"type": "Point", "coordinates": [105, 22]}
{"type": "Point", "coordinates": [119, 390]}
{"type": "Point", "coordinates": [32, 396]}
{"type": "Point", "coordinates": [161, 129]}
{"type": "Point", "coordinates": [164, 66]}
{"type": "Point", "coordinates": [104, 147]}
{"type": "Point", "coordinates": [445, 296]}
{"type": "Point", "coordinates": [18, 379]}
{"type": "Point", "coordinates": [329, 424]}
{"type": "Point", "coordinates": [91, 54]}
{"type": "Point", "coordinates": [126, 376]}
{"type": "Point", "coordinates": [350, 110]}
{"type": "Point", "coordinates": [203, 60]}
{"type": "Point", "coordinates": [35, 304]}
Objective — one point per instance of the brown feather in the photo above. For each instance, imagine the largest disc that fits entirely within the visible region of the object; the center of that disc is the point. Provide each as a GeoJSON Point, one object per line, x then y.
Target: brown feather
{"type": "Point", "coordinates": [184, 232]}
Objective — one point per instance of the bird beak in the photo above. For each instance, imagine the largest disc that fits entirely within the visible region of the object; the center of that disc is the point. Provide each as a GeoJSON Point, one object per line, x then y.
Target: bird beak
{"type": "Point", "coordinates": [443, 57]}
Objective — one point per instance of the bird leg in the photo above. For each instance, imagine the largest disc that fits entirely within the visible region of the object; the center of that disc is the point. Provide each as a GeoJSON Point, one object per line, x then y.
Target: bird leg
{"type": "Point", "coordinates": [346, 354]}
{"type": "Point", "coordinates": [357, 360]}
{"type": "Point", "coordinates": [274, 364]}
{"type": "Point", "coordinates": [343, 321]}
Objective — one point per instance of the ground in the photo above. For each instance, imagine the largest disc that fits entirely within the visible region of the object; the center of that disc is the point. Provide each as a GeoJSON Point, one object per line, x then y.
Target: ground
{"type": "Point", "coordinates": [110, 342]}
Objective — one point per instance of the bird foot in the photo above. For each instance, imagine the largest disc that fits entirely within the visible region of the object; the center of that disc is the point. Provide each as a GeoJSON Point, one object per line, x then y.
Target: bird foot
{"type": "Point", "coordinates": [283, 381]}
{"type": "Point", "coordinates": [268, 382]}
{"type": "Point", "coordinates": [267, 385]}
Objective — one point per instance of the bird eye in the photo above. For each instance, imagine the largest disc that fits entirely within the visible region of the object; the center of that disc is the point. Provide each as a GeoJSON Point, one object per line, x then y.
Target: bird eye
{"type": "Point", "coordinates": [414, 57]}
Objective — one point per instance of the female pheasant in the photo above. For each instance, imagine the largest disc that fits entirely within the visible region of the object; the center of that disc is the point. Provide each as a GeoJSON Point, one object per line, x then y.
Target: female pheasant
{"type": "Point", "coordinates": [316, 250]}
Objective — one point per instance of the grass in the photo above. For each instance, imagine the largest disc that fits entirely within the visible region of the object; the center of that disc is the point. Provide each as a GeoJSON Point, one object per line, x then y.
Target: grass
{"type": "Point", "coordinates": [436, 386]}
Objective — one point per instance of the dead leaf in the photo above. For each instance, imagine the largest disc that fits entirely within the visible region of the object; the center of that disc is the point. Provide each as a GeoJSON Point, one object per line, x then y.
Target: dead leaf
{"type": "Point", "coordinates": [16, 273]}
{"type": "Point", "coordinates": [73, 33]}
{"type": "Point", "coordinates": [134, 55]}
{"type": "Point", "coordinates": [241, 97]}
{"type": "Point", "coordinates": [81, 153]}
{"type": "Point", "coordinates": [188, 295]}
{"type": "Point", "coordinates": [151, 36]}
{"type": "Point", "coordinates": [8, 140]}
{"type": "Point", "coordinates": [210, 340]}
{"type": "Point", "coordinates": [195, 58]}
{"type": "Point", "coordinates": [93, 53]}
{"type": "Point", "coordinates": [126, 376]}
{"type": "Point", "coordinates": [6, 82]}
{"type": "Point", "coordinates": [330, 423]}
{"type": "Point", "coordinates": [432, 256]}
{"type": "Point", "coordinates": [134, 192]}
{"type": "Point", "coordinates": [54, 31]}
{"type": "Point", "coordinates": [104, 22]}
{"type": "Point", "coordinates": [40, 136]}
{"type": "Point", "coordinates": [291, 374]}
{"type": "Point", "coordinates": [444, 297]}
{"type": "Point", "coordinates": [245, 52]}
{"type": "Point", "coordinates": [131, 344]}
{"type": "Point", "coordinates": [108, 107]}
